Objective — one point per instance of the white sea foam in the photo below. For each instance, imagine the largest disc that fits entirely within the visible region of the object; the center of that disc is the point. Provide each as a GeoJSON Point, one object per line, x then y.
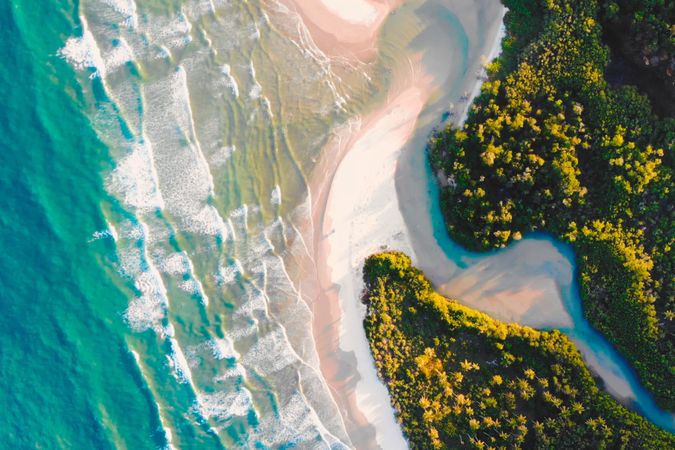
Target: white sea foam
{"type": "Point", "coordinates": [198, 288]}
{"type": "Point", "coordinates": [173, 33]}
{"type": "Point", "coordinates": [274, 234]}
{"type": "Point", "coordinates": [132, 231]}
{"type": "Point", "coordinates": [230, 82]}
{"type": "Point", "coordinates": [135, 179]}
{"type": "Point", "coordinates": [268, 106]}
{"type": "Point", "coordinates": [129, 262]}
{"type": "Point", "coordinates": [259, 245]}
{"type": "Point", "coordinates": [189, 286]}
{"type": "Point", "coordinates": [269, 354]}
{"type": "Point", "coordinates": [220, 157]}
{"type": "Point", "coordinates": [244, 329]}
{"type": "Point", "coordinates": [167, 431]}
{"type": "Point", "coordinates": [275, 196]}
{"type": "Point", "coordinates": [163, 53]}
{"type": "Point", "coordinates": [221, 406]}
{"type": "Point", "coordinates": [228, 275]}
{"type": "Point", "coordinates": [207, 221]}
{"type": "Point", "coordinates": [179, 263]}
{"type": "Point", "coordinates": [256, 89]}
{"type": "Point", "coordinates": [256, 303]}
{"type": "Point", "coordinates": [174, 264]}
{"type": "Point", "coordinates": [297, 424]}
{"type": "Point", "coordinates": [180, 165]}
{"type": "Point", "coordinates": [182, 100]}
{"type": "Point", "coordinates": [103, 234]}
{"type": "Point", "coordinates": [223, 348]}
{"type": "Point", "coordinates": [230, 228]}
{"type": "Point", "coordinates": [83, 52]}
{"type": "Point", "coordinates": [179, 363]}
{"type": "Point", "coordinates": [195, 10]}
{"type": "Point", "coordinates": [127, 8]}
{"type": "Point", "coordinates": [164, 179]}
{"type": "Point", "coordinates": [118, 56]}
{"type": "Point", "coordinates": [145, 311]}
{"type": "Point", "coordinates": [148, 308]}
{"type": "Point", "coordinates": [240, 216]}
{"type": "Point", "coordinates": [237, 372]}
{"type": "Point", "coordinates": [255, 31]}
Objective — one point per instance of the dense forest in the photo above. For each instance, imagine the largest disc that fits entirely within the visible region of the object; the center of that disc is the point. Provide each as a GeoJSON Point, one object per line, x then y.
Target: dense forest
{"type": "Point", "coordinates": [459, 379]}
{"type": "Point", "coordinates": [552, 145]}
{"type": "Point", "coordinates": [642, 39]}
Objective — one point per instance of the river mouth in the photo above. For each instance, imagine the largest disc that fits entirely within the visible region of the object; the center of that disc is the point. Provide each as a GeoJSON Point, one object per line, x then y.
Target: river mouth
{"type": "Point", "coordinates": [532, 282]}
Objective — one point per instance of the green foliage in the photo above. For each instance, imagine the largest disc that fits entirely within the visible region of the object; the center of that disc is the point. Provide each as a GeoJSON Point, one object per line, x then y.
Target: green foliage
{"type": "Point", "coordinates": [550, 146]}
{"type": "Point", "coordinates": [459, 379]}
{"type": "Point", "coordinates": [646, 24]}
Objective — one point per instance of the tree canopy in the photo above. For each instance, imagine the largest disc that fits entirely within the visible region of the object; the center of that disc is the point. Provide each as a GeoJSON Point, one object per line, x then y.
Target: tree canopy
{"type": "Point", "coordinates": [550, 145]}
{"type": "Point", "coordinates": [459, 379]}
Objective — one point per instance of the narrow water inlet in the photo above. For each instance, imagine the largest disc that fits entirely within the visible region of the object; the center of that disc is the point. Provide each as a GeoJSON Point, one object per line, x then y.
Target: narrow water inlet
{"type": "Point", "coordinates": [603, 360]}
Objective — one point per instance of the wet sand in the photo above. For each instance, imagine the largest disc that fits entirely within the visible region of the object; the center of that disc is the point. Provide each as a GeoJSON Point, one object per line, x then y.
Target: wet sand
{"type": "Point", "coordinates": [373, 191]}
{"type": "Point", "coordinates": [344, 28]}
{"type": "Point", "coordinates": [349, 235]}
{"type": "Point", "coordinates": [356, 207]}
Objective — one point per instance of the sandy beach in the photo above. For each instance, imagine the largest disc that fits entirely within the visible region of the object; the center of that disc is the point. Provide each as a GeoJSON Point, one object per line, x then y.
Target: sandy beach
{"type": "Point", "coordinates": [344, 28]}
{"type": "Point", "coordinates": [252, 155]}
{"type": "Point", "coordinates": [372, 190]}
{"type": "Point", "coordinates": [356, 209]}
{"type": "Point", "coordinates": [346, 240]}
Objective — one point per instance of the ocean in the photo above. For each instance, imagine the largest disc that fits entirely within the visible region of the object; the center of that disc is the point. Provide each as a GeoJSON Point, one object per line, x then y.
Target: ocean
{"type": "Point", "coordinates": [154, 175]}
{"type": "Point", "coordinates": [68, 377]}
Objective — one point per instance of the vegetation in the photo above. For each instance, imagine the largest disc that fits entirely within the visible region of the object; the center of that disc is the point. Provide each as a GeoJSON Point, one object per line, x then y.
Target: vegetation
{"type": "Point", "coordinates": [550, 145]}
{"type": "Point", "coordinates": [642, 33]}
{"type": "Point", "coordinates": [459, 379]}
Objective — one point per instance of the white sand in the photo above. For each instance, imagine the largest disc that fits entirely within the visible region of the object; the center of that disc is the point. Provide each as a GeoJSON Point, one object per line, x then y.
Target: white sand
{"type": "Point", "coordinates": [364, 214]}
{"type": "Point", "coordinates": [379, 198]}
{"type": "Point", "coordinates": [344, 28]}
{"type": "Point", "coordinates": [354, 11]}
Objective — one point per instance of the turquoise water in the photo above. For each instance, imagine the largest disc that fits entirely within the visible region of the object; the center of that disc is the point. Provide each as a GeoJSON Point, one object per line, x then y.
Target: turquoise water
{"type": "Point", "coordinates": [68, 379]}
{"type": "Point", "coordinates": [78, 370]}
{"type": "Point", "coordinates": [154, 177]}
{"type": "Point", "coordinates": [593, 345]}
{"type": "Point", "coordinates": [153, 170]}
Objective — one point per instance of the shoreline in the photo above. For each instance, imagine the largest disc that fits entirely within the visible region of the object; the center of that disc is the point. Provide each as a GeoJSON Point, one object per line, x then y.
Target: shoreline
{"type": "Point", "coordinates": [337, 314]}
{"type": "Point", "coordinates": [372, 192]}
{"type": "Point", "coordinates": [355, 212]}
{"type": "Point", "coordinates": [339, 279]}
{"type": "Point", "coordinates": [346, 29]}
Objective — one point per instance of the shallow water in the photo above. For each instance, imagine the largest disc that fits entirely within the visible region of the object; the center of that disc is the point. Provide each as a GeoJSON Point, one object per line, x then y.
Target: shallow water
{"type": "Point", "coordinates": [555, 261]}
{"type": "Point", "coordinates": [212, 114]}
{"type": "Point", "coordinates": [155, 168]}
